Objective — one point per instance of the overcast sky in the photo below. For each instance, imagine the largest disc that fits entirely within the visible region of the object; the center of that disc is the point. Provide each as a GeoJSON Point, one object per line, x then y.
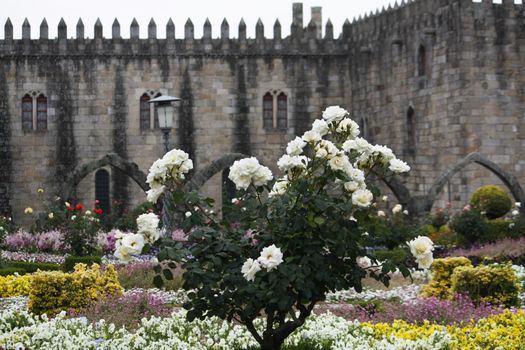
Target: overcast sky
{"type": "Point", "coordinates": [179, 11]}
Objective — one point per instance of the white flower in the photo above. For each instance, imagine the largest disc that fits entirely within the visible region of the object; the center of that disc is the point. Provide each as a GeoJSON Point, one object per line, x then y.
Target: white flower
{"type": "Point", "coordinates": [355, 174]}
{"type": "Point", "coordinates": [154, 193]}
{"type": "Point", "coordinates": [397, 208]}
{"type": "Point", "coordinates": [250, 268]}
{"type": "Point", "coordinates": [518, 204]}
{"type": "Point", "coordinates": [384, 198]}
{"type": "Point", "coordinates": [295, 147]}
{"type": "Point", "coordinates": [347, 125]}
{"type": "Point", "coordinates": [287, 162]}
{"type": "Point", "coordinates": [320, 126]}
{"type": "Point", "coordinates": [380, 213]}
{"type": "Point", "coordinates": [398, 166]}
{"type": "Point", "coordinates": [365, 233]}
{"type": "Point", "coordinates": [311, 136]}
{"type": "Point", "coordinates": [279, 187]}
{"type": "Point", "coordinates": [73, 218]}
{"type": "Point", "coordinates": [326, 149]}
{"type": "Point", "coordinates": [88, 212]}
{"type": "Point", "coordinates": [352, 186]}
{"type": "Point", "coordinates": [133, 243]}
{"type": "Point", "coordinates": [421, 248]}
{"type": "Point", "coordinates": [384, 153]}
{"type": "Point", "coordinates": [334, 114]}
{"type": "Point", "coordinates": [122, 253]}
{"type": "Point", "coordinates": [359, 144]}
{"type": "Point", "coordinates": [515, 212]}
{"type": "Point", "coordinates": [339, 162]}
{"type": "Point", "coordinates": [424, 261]}
{"type": "Point", "coordinates": [362, 198]}
{"type": "Point", "coordinates": [188, 214]}
{"type": "Point", "coordinates": [271, 257]}
{"type": "Point", "coordinates": [147, 222]}
{"type": "Point", "coordinates": [405, 212]}
{"type": "Point", "coordinates": [247, 171]}
{"type": "Point", "coordinates": [50, 215]}
{"type": "Point", "coordinates": [118, 234]}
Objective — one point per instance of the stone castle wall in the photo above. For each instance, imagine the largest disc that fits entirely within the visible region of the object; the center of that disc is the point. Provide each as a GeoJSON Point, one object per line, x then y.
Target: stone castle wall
{"type": "Point", "coordinates": [463, 94]}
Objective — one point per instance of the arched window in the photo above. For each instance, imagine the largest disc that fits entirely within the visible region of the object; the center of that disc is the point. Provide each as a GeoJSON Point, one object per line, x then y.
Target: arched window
{"type": "Point", "coordinates": [411, 130]}
{"type": "Point", "coordinates": [268, 111]}
{"type": "Point", "coordinates": [156, 113]}
{"type": "Point", "coordinates": [41, 112]}
{"type": "Point", "coordinates": [102, 190]}
{"type": "Point", "coordinates": [145, 122]}
{"type": "Point", "coordinates": [282, 111]}
{"type": "Point", "coordinates": [421, 61]}
{"type": "Point", "coordinates": [27, 112]}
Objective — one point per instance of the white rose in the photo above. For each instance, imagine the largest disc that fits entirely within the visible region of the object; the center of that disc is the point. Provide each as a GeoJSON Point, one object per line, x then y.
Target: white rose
{"type": "Point", "coordinates": [334, 114]}
{"type": "Point", "coordinates": [339, 162]}
{"type": "Point", "coordinates": [187, 214]}
{"type": "Point", "coordinates": [295, 147]}
{"type": "Point", "coordinates": [311, 136]}
{"type": "Point", "coordinates": [326, 149]}
{"type": "Point", "coordinates": [250, 268]}
{"type": "Point", "coordinates": [349, 126]}
{"type": "Point", "coordinates": [515, 212]}
{"type": "Point", "coordinates": [384, 198]}
{"type": "Point", "coordinates": [405, 212]}
{"type": "Point", "coordinates": [380, 213]}
{"type": "Point", "coordinates": [279, 187]}
{"type": "Point", "coordinates": [397, 208]}
{"type": "Point", "coordinates": [122, 253]}
{"type": "Point", "coordinates": [362, 198]}
{"type": "Point", "coordinates": [271, 257]}
{"type": "Point", "coordinates": [398, 166]}
{"type": "Point", "coordinates": [148, 222]}
{"type": "Point", "coordinates": [247, 171]}
{"type": "Point", "coordinates": [424, 261]}
{"type": "Point", "coordinates": [359, 144]}
{"type": "Point", "coordinates": [133, 243]}
{"type": "Point", "coordinates": [383, 152]}
{"type": "Point", "coordinates": [355, 174]}
{"type": "Point", "coordinates": [320, 126]}
{"type": "Point", "coordinates": [154, 193]}
{"type": "Point", "coordinates": [518, 204]}
{"type": "Point", "coordinates": [287, 162]}
{"type": "Point", "coordinates": [420, 245]}
{"type": "Point", "coordinates": [352, 186]}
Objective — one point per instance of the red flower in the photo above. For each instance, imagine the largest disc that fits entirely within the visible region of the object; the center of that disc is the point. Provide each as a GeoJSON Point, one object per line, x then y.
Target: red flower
{"type": "Point", "coordinates": [70, 208]}
{"type": "Point", "coordinates": [98, 211]}
{"type": "Point", "coordinates": [79, 207]}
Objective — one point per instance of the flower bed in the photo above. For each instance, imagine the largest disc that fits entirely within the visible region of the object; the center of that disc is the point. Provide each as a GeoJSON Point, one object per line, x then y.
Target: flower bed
{"type": "Point", "coordinates": [22, 330]}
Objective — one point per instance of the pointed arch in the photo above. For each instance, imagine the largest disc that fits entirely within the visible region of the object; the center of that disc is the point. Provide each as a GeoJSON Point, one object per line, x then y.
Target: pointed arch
{"type": "Point", "coordinates": [421, 61]}
{"type": "Point", "coordinates": [507, 178]}
{"type": "Point", "coordinates": [127, 167]}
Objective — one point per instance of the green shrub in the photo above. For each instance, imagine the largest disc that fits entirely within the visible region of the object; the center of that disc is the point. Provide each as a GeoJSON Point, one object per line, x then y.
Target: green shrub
{"type": "Point", "coordinates": [470, 224]}
{"type": "Point", "coordinates": [30, 267]}
{"type": "Point", "coordinates": [494, 284]}
{"type": "Point", "coordinates": [71, 261]}
{"type": "Point", "coordinates": [496, 230]}
{"type": "Point", "coordinates": [54, 291]}
{"type": "Point", "coordinates": [7, 271]}
{"type": "Point", "coordinates": [397, 256]}
{"type": "Point", "coordinates": [442, 270]}
{"type": "Point", "coordinates": [492, 200]}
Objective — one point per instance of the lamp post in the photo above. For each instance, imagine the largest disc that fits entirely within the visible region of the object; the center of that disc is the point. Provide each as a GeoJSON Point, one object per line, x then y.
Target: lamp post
{"type": "Point", "coordinates": [166, 111]}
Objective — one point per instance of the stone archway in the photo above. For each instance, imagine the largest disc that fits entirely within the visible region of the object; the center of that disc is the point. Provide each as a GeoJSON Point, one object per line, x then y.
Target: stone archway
{"type": "Point", "coordinates": [203, 175]}
{"type": "Point", "coordinates": [507, 178]}
{"type": "Point", "coordinates": [129, 168]}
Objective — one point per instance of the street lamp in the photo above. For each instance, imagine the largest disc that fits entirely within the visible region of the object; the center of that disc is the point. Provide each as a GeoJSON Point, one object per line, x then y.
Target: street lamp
{"type": "Point", "coordinates": [166, 111]}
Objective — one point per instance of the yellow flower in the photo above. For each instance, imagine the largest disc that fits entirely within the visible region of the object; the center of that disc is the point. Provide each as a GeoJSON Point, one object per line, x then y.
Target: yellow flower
{"type": "Point", "coordinates": [40, 190]}
{"type": "Point", "coordinates": [28, 210]}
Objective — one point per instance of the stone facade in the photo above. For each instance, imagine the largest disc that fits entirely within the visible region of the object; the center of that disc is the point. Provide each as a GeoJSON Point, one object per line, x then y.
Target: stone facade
{"type": "Point", "coordinates": [434, 79]}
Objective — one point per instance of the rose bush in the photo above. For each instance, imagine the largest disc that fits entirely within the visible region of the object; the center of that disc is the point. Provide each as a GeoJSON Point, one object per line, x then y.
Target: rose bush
{"type": "Point", "coordinates": [284, 246]}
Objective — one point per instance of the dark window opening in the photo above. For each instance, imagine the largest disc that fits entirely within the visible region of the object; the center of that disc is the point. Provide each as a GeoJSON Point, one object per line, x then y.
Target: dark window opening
{"type": "Point", "coordinates": [268, 111]}
{"type": "Point", "coordinates": [27, 112]}
{"type": "Point", "coordinates": [282, 111]}
{"type": "Point", "coordinates": [41, 113]}
{"type": "Point", "coordinates": [228, 190]}
{"type": "Point", "coordinates": [145, 122]}
{"type": "Point", "coordinates": [102, 190]}
{"type": "Point", "coordinates": [421, 61]}
{"type": "Point", "coordinates": [411, 130]}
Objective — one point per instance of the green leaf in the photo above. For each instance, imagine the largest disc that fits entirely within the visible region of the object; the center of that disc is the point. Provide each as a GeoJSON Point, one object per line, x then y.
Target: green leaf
{"type": "Point", "coordinates": [167, 274]}
{"type": "Point", "coordinates": [157, 281]}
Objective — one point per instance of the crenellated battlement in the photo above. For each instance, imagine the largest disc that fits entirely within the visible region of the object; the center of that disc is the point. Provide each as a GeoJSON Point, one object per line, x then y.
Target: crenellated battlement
{"type": "Point", "coordinates": [390, 23]}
